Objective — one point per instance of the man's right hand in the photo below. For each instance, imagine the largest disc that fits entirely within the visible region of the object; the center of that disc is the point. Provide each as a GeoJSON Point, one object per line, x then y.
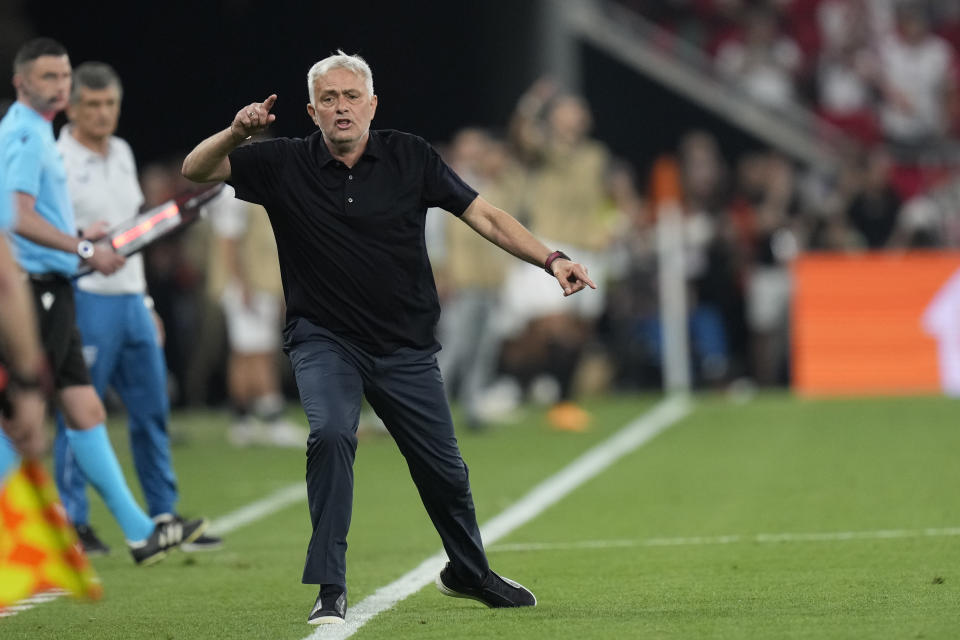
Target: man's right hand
{"type": "Point", "coordinates": [105, 259]}
{"type": "Point", "coordinates": [253, 118]}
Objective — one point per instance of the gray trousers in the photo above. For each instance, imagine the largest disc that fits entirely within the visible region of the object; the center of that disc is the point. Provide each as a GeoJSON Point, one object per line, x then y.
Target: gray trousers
{"type": "Point", "coordinates": [471, 345]}
{"type": "Point", "coordinates": [406, 391]}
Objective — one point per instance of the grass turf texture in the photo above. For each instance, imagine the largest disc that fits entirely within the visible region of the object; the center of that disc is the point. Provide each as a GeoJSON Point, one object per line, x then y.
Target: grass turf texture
{"type": "Point", "coordinates": [775, 465]}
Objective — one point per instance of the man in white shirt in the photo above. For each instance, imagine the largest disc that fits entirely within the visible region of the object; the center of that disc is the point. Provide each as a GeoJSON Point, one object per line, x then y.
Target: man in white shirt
{"type": "Point", "coordinates": [120, 337]}
{"type": "Point", "coordinates": [917, 80]}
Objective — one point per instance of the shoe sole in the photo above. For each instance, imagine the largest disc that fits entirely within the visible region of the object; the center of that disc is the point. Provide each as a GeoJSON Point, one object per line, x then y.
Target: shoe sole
{"type": "Point", "coordinates": [190, 547]}
{"type": "Point", "coordinates": [202, 529]}
{"type": "Point", "coordinates": [447, 591]}
{"type": "Point", "coordinates": [326, 620]}
{"type": "Point", "coordinates": [154, 559]}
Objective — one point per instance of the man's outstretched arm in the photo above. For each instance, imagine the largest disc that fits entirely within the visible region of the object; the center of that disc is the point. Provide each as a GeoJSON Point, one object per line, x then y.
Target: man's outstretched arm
{"type": "Point", "coordinates": [503, 230]}
{"type": "Point", "coordinates": [209, 161]}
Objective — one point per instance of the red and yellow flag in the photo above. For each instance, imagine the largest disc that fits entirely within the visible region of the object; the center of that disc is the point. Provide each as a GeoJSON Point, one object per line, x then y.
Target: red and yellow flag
{"type": "Point", "coordinates": [39, 550]}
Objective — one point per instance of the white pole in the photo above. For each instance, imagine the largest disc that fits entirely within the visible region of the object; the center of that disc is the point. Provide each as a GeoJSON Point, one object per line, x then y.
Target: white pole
{"type": "Point", "coordinates": [673, 298]}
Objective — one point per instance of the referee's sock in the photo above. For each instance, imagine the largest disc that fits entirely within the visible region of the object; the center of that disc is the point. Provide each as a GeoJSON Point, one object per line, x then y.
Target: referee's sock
{"type": "Point", "coordinates": [8, 456]}
{"type": "Point", "coordinates": [94, 454]}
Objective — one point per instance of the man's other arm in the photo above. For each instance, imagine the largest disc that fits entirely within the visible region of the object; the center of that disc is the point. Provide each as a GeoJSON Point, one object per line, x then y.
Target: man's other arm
{"type": "Point", "coordinates": [503, 230]}
{"type": "Point", "coordinates": [210, 160]}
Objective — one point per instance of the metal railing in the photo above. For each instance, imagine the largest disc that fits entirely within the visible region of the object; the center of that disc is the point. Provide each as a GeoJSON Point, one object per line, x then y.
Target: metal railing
{"type": "Point", "coordinates": [685, 69]}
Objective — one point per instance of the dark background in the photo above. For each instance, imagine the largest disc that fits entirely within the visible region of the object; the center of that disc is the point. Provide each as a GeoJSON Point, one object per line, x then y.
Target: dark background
{"type": "Point", "coordinates": [188, 67]}
{"type": "Point", "coordinates": [438, 66]}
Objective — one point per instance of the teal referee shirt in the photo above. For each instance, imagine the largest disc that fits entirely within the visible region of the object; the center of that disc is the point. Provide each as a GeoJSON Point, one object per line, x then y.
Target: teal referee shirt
{"type": "Point", "coordinates": [30, 163]}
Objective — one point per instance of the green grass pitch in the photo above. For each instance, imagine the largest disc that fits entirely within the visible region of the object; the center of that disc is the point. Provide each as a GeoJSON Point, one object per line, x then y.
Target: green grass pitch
{"type": "Point", "coordinates": [776, 518]}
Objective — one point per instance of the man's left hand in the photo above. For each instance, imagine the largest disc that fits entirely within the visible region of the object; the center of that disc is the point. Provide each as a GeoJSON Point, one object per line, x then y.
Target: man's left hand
{"type": "Point", "coordinates": [95, 231]}
{"type": "Point", "coordinates": [572, 276]}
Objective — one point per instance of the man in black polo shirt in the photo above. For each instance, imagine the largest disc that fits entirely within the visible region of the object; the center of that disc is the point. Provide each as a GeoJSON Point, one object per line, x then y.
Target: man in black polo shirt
{"type": "Point", "coordinates": [347, 207]}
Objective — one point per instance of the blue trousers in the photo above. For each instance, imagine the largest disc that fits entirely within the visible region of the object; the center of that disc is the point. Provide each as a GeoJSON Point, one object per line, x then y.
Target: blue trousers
{"type": "Point", "coordinates": [121, 349]}
{"type": "Point", "coordinates": [406, 390]}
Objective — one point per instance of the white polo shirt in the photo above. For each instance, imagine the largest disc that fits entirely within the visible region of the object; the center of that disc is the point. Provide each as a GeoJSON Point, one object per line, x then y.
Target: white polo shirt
{"type": "Point", "coordinates": [104, 188]}
{"type": "Point", "coordinates": [922, 73]}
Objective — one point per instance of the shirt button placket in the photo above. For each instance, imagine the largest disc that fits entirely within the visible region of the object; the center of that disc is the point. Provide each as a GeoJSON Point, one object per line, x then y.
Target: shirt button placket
{"type": "Point", "coordinates": [349, 198]}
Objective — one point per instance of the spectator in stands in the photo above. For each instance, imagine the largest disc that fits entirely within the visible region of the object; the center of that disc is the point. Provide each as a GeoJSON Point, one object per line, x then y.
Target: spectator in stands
{"type": "Point", "coordinates": [847, 70]}
{"type": "Point", "coordinates": [470, 274]}
{"type": "Point", "coordinates": [709, 281]}
{"type": "Point", "coordinates": [709, 269]}
{"type": "Point", "coordinates": [873, 210]}
{"type": "Point", "coordinates": [244, 276]}
{"type": "Point", "coordinates": [633, 284]}
{"type": "Point", "coordinates": [769, 229]}
{"type": "Point", "coordinates": [917, 80]}
{"type": "Point", "coordinates": [763, 63]}
{"type": "Point", "coordinates": [567, 199]}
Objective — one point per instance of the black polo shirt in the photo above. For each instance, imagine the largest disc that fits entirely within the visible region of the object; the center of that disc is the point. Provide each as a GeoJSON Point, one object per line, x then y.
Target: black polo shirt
{"type": "Point", "coordinates": [351, 240]}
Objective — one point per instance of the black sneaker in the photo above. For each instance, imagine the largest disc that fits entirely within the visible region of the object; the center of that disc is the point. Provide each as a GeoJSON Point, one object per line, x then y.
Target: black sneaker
{"type": "Point", "coordinates": [494, 591]}
{"type": "Point", "coordinates": [330, 607]}
{"type": "Point", "coordinates": [205, 542]}
{"type": "Point", "coordinates": [167, 535]}
{"type": "Point", "coordinates": [92, 545]}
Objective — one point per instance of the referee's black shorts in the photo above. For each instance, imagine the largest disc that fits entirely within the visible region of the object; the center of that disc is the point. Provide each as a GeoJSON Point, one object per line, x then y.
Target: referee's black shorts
{"type": "Point", "coordinates": [56, 313]}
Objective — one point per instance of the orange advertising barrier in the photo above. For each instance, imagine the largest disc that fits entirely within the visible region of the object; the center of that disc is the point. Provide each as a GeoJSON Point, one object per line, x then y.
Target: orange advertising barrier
{"type": "Point", "coordinates": [876, 323]}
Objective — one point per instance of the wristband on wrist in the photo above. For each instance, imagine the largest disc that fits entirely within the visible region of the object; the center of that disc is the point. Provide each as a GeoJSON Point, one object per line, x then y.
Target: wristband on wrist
{"type": "Point", "coordinates": [548, 264]}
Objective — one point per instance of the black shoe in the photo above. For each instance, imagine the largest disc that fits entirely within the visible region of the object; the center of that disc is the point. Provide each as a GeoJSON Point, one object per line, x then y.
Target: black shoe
{"type": "Point", "coordinates": [494, 591]}
{"type": "Point", "coordinates": [169, 534]}
{"type": "Point", "coordinates": [92, 545]}
{"type": "Point", "coordinates": [204, 543]}
{"type": "Point", "coordinates": [330, 607]}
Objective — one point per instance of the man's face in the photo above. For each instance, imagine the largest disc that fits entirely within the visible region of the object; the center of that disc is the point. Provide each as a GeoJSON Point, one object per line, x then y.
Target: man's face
{"type": "Point", "coordinates": [45, 83]}
{"type": "Point", "coordinates": [95, 112]}
{"type": "Point", "coordinates": [342, 109]}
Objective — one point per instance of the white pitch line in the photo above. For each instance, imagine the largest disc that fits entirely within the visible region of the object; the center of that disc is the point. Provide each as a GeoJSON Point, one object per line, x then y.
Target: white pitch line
{"type": "Point", "coordinates": [29, 603]}
{"type": "Point", "coordinates": [763, 538]}
{"type": "Point", "coordinates": [260, 509]}
{"type": "Point", "coordinates": [666, 413]}
{"type": "Point", "coordinates": [232, 521]}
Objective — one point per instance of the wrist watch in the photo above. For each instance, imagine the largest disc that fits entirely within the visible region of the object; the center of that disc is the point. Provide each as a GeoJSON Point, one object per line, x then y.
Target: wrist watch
{"type": "Point", "coordinates": [85, 249]}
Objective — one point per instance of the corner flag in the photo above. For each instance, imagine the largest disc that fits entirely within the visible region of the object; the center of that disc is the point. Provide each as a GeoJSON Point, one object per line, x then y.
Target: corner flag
{"type": "Point", "coordinates": [39, 550]}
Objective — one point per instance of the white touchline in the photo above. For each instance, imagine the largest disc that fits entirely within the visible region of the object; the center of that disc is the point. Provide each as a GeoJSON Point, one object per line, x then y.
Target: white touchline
{"type": "Point", "coordinates": [29, 603]}
{"type": "Point", "coordinates": [662, 416]}
{"type": "Point", "coordinates": [827, 536]}
{"type": "Point", "coordinates": [280, 499]}
{"type": "Point", "coordinates": [223, 525]}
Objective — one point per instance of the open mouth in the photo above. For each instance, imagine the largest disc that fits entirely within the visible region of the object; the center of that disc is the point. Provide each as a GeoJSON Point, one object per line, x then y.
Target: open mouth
{"type": "Point", "coordinates": [343, 123]}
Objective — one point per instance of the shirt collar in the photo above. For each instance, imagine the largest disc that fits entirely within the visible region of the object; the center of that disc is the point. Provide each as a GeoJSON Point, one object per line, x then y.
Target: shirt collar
{"type": "Point", "coordinates": [22, 110]}
{"type": "Point", "coordinates": [374, 148]}
{"type": "Point", "coordinates": [76, 147]}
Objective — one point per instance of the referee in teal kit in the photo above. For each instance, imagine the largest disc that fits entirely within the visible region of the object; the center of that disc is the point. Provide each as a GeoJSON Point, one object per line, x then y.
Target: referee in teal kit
{"type": "Point", "coordinates": [348, 206]}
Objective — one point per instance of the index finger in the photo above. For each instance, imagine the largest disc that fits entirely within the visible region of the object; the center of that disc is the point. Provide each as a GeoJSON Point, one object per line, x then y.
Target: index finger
{"type": "Point", "coordinates": [268, 103]}
{"type": "Point", "coordinates": [582, 276]}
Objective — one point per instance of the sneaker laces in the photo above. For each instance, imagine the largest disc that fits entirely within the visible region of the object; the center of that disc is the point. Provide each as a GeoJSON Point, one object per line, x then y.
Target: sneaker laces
{"type": "Point", "coordinates": [170, 534]}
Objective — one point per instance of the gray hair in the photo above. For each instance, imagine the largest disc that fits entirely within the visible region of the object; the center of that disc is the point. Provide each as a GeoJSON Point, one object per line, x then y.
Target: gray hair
{"type": "Point", "coordinates": [95, 76]}
{"type": "Point", "coordinates": [339, 60]}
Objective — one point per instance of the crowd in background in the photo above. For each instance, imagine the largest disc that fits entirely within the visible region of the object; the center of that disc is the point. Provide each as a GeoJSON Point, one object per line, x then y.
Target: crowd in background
{"type": "Point", "coordinates": [877, 70]}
